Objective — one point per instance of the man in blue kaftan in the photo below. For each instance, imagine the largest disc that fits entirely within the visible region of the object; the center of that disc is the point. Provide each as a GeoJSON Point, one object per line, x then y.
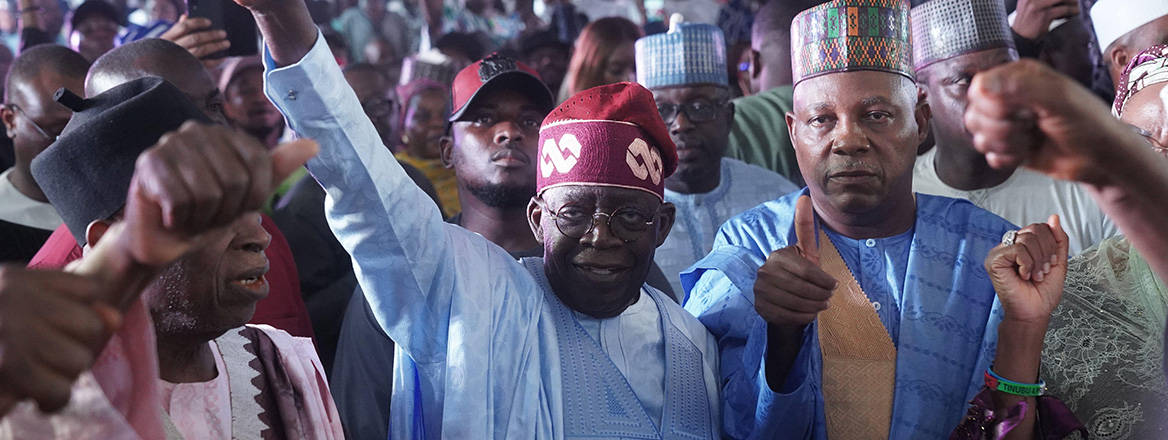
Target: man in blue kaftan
{"type": "Point", "coordinates": [917, 260]}
{"type": "Point", "coordinates": [487, 347]}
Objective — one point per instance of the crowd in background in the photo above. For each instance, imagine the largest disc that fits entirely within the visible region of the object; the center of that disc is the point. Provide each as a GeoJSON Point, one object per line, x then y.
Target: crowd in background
{"type": "Point", "coordinates": [419, 69]}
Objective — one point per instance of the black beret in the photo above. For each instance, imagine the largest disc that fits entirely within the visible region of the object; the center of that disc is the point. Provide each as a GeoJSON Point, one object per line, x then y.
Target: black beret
{"type": "Point", "coordinates": [86, 173]}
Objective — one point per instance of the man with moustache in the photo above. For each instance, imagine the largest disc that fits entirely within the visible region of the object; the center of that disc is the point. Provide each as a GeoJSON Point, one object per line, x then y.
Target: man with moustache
{"type": "Point", "coordinates": [685, 69]}
{"type": "Point", "coordinates": [488, 347]}
{"type": "Point", "coordinates": [856, 309]}
{"type": "Point", "coordinates": [949, 49]}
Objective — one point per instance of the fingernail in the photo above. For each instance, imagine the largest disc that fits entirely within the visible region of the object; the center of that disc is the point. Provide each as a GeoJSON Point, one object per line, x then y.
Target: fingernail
{"type": "Point", "coordinates": [1046, 268]}
{"type": "Point", "coordinates": [1038, 277]}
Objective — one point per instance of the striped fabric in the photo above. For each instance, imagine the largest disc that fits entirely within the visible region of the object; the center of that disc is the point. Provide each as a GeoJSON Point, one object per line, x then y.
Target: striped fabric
{"type": "Point", "coordinates": [846, 35]}
{"type": "Point", "coordinates": [690, 53]}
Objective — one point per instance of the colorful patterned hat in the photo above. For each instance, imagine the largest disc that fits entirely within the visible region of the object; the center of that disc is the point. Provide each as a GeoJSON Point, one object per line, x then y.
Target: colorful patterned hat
{"type": "Point", "coordinates": [847, 35]}
{"type": "Point", "coordinates": [609, 135]}
{"type": "Point", "coordinates": [943, 29]}
{"type": "Point", "coordinates": [690, 53]}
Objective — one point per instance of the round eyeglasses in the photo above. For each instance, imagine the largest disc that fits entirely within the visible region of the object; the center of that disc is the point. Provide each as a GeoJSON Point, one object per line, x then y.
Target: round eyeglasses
{"type": "Point", "coordinates": [627, 223]}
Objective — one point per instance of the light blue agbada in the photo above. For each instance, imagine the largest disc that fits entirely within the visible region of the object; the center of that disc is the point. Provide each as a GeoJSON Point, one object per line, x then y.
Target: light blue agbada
{"type": "Point", "coordinates": [484, 348]}
{"type": "Point", "coordinates": [927, 284]}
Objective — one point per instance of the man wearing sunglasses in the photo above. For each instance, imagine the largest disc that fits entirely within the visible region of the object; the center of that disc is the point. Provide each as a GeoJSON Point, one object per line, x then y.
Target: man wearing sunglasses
{"type": "Point", "coordinates": [33, 120]}
{"type": "Point", "coordinates": [685, 69]}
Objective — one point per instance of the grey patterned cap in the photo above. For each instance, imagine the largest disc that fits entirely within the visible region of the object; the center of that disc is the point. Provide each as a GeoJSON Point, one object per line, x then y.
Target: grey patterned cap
{"type": "Point", "coordinates": [943, 29]}
{"type": "Point", "coordinates": [690, 53]}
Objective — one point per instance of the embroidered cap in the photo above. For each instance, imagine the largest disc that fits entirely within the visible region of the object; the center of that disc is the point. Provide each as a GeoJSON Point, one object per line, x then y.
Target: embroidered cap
{"type": "Point", "coordinates": [1147, 68]}
{"type": "Point", "coordinates": [848, 35]}
{"type": "Point", "coordinates": [497, 70]}
{"type": "Point", "coordinates": [609, 135]}
{"type": "Point", "coordinates": [1115, 18]}
{"type": "Point", "coordinates": [690, 53]}
{"type": "Point", "coordinates": [943, 29]}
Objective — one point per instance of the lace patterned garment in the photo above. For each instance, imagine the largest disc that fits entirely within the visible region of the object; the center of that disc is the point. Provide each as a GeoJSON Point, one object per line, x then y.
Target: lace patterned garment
{"type": "Point", "coordinates": [1103, 353]}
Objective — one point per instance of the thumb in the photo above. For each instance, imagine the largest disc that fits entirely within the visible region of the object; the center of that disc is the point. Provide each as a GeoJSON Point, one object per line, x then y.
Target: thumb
{"type": "Point", "coordinates": [805, 229]}
{"type": "Point", "coordinates": [1060, 237]}
{"type": "Point", "coordinates": [288, 157]}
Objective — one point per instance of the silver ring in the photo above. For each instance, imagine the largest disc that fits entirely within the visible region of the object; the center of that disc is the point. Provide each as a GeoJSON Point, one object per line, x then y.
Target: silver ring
{"type": "Point", "coordinates": [1008, 237]}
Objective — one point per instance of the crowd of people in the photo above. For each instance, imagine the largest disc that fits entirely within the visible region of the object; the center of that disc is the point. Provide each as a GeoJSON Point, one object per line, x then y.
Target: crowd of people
{"type": "Point", "coordinates": [781, 219]}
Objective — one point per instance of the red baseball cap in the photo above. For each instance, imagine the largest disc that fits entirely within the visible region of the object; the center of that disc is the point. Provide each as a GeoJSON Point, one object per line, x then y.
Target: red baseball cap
{"type": "Point", "coordinates": [497, 70]}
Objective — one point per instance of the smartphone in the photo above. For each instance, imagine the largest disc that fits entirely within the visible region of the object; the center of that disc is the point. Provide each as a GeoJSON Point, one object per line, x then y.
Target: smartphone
{"type": "Point", "coordinates": [235, 19]}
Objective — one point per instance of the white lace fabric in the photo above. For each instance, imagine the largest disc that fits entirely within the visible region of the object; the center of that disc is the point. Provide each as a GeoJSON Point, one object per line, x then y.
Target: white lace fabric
{"type": "Point", "coordinates": [1103, 354]}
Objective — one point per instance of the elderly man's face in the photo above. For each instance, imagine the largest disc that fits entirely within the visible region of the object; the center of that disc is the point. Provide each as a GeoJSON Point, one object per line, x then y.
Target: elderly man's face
{"type": "Point", "coordinates": [598, 243]}
{"type": "Point", "coordinates": [699, 120]}
{"type": "Point", "coordinates": [215, 287]}
{"type": "Point", "coordinates": [947, 83]}
{"type": "Point", "coordinates": [855, 136]}
{"type": "Point", "coordinates": [494, 148]}
{"type": "Point", "coordinates": [1147, 110]}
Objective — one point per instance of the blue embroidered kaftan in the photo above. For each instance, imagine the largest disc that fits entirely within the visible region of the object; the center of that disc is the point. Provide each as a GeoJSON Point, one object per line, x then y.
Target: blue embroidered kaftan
{"type": "Point", "coordinates": [930, 290]}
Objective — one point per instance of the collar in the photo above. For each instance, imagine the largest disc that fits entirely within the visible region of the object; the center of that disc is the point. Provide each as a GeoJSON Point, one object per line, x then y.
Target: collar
{"type": "Point", "coordinates": [15, 207]}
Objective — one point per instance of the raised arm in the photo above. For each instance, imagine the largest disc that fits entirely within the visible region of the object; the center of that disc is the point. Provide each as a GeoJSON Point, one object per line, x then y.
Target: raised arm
{"type": "Point", "coordinates": [1026, 113]}
{"type": "Point", "coordinates": [408, 261]}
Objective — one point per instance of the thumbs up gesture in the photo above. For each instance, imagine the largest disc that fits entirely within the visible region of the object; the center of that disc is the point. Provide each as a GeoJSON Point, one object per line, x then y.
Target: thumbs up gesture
{"type": "Point", "coordinates": [791, 289]}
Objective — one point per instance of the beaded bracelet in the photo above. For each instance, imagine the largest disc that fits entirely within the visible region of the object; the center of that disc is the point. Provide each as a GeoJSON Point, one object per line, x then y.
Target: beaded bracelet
{"type": "Point", "coordinates": [995, 382]}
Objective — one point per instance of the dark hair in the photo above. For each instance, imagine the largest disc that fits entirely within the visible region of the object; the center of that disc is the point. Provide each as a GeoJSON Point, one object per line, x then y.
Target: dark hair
{"type": "Point", "coordinates": [596, 43]}
{"type": "Point", "coordinates": [467, 43]}
{"type": "Point", "coordinates": [29, 65]}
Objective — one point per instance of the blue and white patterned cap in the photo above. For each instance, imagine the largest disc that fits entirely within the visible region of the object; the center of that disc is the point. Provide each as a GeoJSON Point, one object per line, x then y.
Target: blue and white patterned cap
{"type": "Point", "coordinates": [690, 53]}
{"type": "Point", "coordinates": [943, 29]}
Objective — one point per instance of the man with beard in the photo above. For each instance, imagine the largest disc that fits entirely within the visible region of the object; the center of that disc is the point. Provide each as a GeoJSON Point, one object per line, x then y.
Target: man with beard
{"type": "Point", "coordinates": [856, 309]}
{"type": "Point", "coordinates": [33, 120]}
{"type": "Point", "coordinates": [487, 346]}
{"type": "Point", "coordinates": [945, 65]}
{"type": "Point", "coordinates": [685, 69]}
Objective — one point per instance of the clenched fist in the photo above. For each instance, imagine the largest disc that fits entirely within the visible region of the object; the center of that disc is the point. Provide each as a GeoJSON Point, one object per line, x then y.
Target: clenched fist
{"type": "Point", "coordinates": [1028, 275]}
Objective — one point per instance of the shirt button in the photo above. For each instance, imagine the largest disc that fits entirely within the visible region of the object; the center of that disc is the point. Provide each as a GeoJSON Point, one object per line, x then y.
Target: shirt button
{"type": "Point", "coordinates": [870, 242]}
{"type": "Point", "coordinates": [291, 95]}
{"type": "Point", "coordinates": [876, 305]}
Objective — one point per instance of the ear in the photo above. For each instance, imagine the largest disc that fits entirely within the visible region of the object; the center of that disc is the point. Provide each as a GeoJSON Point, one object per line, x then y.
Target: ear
{"type": "Point", "coordinates": [923, 114]}
{"type": "Point", "coordinates": [446, 151]}
{"type": "Point", "coordinates": [9, 118]}
{"type": "Point", "coordinates": [534, 220]}
{"type": "Point", "coordinates": [95, 231]}
{"type": "Point", "coordinates": [790, 116]}
{"type": "Point", "coordinates": [1119, 57]}
{"type": "Point", "coordinates": [664, 223]}
{"type": "Point", "coordinates": [755, 64]}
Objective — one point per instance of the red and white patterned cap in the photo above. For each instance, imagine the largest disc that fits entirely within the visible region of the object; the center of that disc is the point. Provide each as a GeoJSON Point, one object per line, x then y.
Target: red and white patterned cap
{"type": "Point", "coordinates": [610, 135]}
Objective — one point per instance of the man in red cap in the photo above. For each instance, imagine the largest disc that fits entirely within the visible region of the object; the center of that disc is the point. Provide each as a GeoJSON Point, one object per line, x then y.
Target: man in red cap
{"type": "Point", "coordinates": [491, 348]}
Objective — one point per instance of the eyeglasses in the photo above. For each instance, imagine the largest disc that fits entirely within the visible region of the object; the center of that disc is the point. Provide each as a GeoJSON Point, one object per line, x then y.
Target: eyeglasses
{"type": "Point", "coordinates": [695, 111]}
{"type": "Point", "coordinates": [39, 129]}
{"type": "Point", "coordinates": [628, 224]}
